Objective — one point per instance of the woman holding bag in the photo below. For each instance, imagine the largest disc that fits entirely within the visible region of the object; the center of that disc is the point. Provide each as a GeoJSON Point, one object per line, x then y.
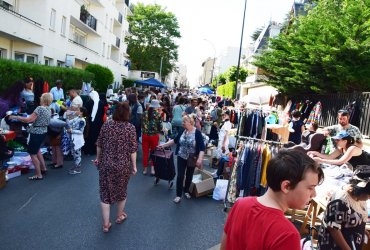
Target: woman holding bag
{"type": "Point", "coordinates": [190, 151]}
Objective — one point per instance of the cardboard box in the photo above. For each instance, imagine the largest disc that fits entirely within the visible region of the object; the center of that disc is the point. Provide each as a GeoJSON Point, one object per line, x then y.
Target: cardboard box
{"type": "Point", "coordinates": [204, 187]}
{"type": "Point", "coordinates": [13, 175]}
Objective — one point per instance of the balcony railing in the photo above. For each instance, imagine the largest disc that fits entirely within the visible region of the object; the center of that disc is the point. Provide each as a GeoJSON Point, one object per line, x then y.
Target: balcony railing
{"type": "Point", "coordinates": [118, 42]}
{"type": "Point", "coordinates": [6, 8]}
{"type": "Point", "coordinates": [82, 46]}
{"type": "Point", "coordinates": [88, 19]}
{"type": "Point", "coordinates": [120, 17]}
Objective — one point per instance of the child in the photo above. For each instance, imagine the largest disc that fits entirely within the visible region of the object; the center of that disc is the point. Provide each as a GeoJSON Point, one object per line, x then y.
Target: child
{"type": "Point", "coordinates": [296, 127]}
{"type": "Point", "coordinates": [75, 128]}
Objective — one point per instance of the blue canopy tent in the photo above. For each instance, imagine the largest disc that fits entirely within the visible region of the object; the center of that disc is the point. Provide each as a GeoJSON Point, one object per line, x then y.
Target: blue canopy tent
{"type": "Point", "coordinates": [151, 82]}
{"type": "Point", "coordinates": [204, 90]}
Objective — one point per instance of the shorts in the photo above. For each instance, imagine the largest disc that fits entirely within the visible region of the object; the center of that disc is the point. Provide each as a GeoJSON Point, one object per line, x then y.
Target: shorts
{"type": "Point", "coordinates": [35, 143]}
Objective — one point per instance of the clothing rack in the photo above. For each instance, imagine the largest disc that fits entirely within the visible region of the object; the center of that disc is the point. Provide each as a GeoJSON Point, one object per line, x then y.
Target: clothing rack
{"type": "Point", "coordinates": [227, 203]}
{"type": "Point", "coordinates": [246, 138]}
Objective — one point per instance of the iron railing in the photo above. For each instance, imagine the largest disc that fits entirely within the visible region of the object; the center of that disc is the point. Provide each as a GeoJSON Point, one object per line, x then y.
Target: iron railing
{"type": "Point", "coordinates": [88, 19]}
{"type": "Point", "coordinates": [120, 17]}
{"type": "Point", "coordinates": [331, 103]}
{"type": "Point", "coordinates": [19, 15]}
{"type": "Point", "coordinates": [118, 42]}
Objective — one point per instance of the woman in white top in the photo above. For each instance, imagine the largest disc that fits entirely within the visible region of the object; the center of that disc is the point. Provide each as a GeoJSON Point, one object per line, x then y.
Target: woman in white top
{"type": "Point", "coordinates": [223, 135]}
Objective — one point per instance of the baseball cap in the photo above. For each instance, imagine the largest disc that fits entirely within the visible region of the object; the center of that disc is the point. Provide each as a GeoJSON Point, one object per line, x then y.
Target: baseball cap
{"type": "Point", "coordinates": [341, 135]}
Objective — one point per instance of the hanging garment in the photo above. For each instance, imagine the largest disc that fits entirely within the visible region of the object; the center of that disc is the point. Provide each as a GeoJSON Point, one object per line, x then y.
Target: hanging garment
{"type": "Point", "coordinates": [315, 114]}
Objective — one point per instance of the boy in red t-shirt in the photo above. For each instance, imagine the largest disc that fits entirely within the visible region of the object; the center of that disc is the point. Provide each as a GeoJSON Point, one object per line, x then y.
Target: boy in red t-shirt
{"type": "Point", "coordinates": [259, 222]}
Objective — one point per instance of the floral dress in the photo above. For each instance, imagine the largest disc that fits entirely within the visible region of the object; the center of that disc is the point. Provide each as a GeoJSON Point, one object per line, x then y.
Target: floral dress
{"type": "Point", "coordinates": [117, 141]}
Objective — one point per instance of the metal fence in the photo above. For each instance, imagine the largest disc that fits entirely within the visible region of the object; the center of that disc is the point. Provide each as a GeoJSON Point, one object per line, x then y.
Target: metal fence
{"type": "Point", "coordinates": [333, 102]}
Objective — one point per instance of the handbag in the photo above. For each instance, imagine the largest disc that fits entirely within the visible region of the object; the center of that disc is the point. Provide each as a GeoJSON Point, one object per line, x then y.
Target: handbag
{"type": "Point", "coordinates": [192, 161]}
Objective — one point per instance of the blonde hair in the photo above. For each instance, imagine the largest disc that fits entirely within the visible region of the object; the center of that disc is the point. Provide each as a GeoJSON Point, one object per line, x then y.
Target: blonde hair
{"type": "Point", "coordinates": [190, 118]}
{"type": "Point", "coordinates": [46, 99]}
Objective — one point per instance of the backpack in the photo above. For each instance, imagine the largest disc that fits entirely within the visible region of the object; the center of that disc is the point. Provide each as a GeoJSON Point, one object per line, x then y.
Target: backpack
{"type": "Point", "coordinates": [214, 115]}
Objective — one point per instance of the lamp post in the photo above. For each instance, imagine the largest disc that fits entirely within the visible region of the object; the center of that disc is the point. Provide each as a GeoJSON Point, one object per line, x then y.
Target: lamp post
{"type": "Point", "coordinates": [240, 51]}
{"type": "Point", "coordinates": [214, 59]}
{"type": "Point", "coordinates": [160, 70]}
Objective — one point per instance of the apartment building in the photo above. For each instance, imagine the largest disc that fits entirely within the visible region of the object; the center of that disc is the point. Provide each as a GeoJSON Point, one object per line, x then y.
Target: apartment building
{"type": "Point", "coordinates": [68, 33]}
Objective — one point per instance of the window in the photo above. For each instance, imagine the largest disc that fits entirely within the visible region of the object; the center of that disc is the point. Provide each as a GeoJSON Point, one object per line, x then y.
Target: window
{"type": "Point", "coordinates": [63, 28]}
{"type": "Point", "coordinates": [48, 61]}
{"type": "Point", "coordinates": [79, 37]}
{"type": "Point", "coordinates": [103, 50]}
{"type": "Point", "coordinates": [19, 57]}
{"type": "Point", "coordinates": [108, 52]}
{"type": "Point", "coordinates": [31, 59]}
{"type": "Point", "coordinates": [2, 53]}
{"type": "Point", "coordinates": [6, 5]}
{"type": "Point", "coordinates": [52, 19]}
{"type": "Point", "coordinates": [22, 57]}
{"type": "Point", "coordinates": [60, 63]}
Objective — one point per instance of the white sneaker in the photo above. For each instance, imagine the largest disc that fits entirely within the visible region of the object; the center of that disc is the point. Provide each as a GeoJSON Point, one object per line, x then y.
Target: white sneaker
{"type": "Point", "coordinates": [187, 195]}
{"type": "Point", "coordinates": [177, 199]}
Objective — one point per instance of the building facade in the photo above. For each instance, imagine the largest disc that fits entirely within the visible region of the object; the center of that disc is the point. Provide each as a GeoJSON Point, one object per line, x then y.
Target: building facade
{"type": "Point", "coordinates": [208, 71]}
{"type": "Point", "coordinates": [69, 33]}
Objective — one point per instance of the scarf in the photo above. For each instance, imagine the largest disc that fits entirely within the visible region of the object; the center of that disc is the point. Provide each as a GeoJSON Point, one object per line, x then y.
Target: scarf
{"type": "Point", "coordinates": [95, 97]}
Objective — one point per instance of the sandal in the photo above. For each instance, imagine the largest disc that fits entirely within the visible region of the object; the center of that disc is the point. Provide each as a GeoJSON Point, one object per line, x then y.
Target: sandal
{"type": "Point", "coordinates": [121, 218]}
{"type": "Point", "coordinates": [107, 227]}
{"type": "Point", "coordinates": [35, 178]}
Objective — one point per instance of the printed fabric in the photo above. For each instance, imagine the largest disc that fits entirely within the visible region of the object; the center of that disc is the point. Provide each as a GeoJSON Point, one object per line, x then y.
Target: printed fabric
{"type": "Point", "coordinates": [187, 145]}
{"type": "Point", "coordinates": [152, 126]}
{"type": "Point", "coordinates": [40, 125]}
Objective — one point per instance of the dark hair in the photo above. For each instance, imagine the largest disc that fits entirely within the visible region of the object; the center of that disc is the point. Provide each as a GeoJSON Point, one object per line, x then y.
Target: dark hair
{"type": "Point", "coordinates": [361, 174]}
{"type": "Point", "coordinates": [122, 112]}
{"type": "Point", "coordinates": [150, 113]}
{"type": "Point", "coordinates": [315, 125]}
{"type": "Point", "coordinates": [84, 112]}
{"type": "Point", "coordinates": [350, 141]}
{"type": "Point", "coordinates": [343, 112]}
{"type": "Point", "coordinates": [291, 165]}
{"type": "Point", "coordinates": [181, 100]}
{"type": "Point", "coordinates": [27, 79]}
{"type": "Point", "coordinates": [103, 99]}
{"type": "Point", "coordinates": [132, 99]}
{"type": "Point", "coordinates": [296, 114]}
{"type": "Point", "coordinates": [58, 82]}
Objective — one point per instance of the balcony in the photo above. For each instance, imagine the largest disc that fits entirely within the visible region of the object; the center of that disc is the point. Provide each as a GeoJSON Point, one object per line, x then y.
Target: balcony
{"type": "Point", "coordinates": [118, 42]}
{"type": "Point", "coordinates": [88, 19]}
{"type": "Point", "coordinates": [85, 24]}
{"type": "Point", "coordinates": [120, 17]}
{"type": "Point", "coordinates": [6, 7]}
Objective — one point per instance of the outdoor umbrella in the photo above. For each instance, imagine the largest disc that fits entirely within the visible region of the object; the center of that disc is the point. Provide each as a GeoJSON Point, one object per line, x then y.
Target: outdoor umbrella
{"type": "Point", "coordinates": [151, 82]}
{"type": "Point", "coordinates": [204, 90]}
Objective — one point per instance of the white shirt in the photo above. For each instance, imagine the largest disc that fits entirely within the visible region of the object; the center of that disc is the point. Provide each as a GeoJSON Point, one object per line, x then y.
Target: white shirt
{"type": "Point", "coordinates": [57, 93]}
{"type": "Point", "coordinates": [77, 102]}
{"type": "Point", "coordinates": [226, 127]}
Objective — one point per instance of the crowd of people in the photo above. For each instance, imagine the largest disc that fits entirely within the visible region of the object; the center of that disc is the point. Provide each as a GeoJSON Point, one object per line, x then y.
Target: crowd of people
{"type": "Point", "coordinates": [84, 124]}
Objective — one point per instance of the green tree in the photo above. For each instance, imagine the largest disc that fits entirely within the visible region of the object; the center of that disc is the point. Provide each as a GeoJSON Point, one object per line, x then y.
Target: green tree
{"type": "Point", "coordinates": [231, 74]}
{"type": "Point", "coordinates": [257, 33]}
{"type": "Point", "coordinates": [103, 76]}
{"type": "Point", "coordinates": [324, 52]}
{"type": "Point", "coordinates": [153, 33]}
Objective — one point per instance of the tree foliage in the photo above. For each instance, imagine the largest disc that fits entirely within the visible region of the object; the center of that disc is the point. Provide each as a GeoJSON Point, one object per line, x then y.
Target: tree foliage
{"type": "Point", "coordinates": [103, 76]}
{"type": "Point", "coordinates": [324, 52]}
{"type": "Point", "coordinates": [256, 33]}
{"type": "Point", "coordinates": [231, 74]}
{"type": "Point", "coordinates": [153, 37]}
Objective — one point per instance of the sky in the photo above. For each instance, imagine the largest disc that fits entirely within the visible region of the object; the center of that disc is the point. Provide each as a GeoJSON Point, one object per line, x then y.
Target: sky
{"type": "Point", "coordinates": [208, 27]}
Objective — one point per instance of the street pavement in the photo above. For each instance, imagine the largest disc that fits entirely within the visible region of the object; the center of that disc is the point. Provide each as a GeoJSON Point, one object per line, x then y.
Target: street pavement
{"type": "Point", "coordinates": [63, 212]}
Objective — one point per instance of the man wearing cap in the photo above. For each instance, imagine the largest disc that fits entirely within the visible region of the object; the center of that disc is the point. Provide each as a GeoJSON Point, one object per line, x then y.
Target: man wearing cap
{"type": "Point", "coordinates": [343, 124]}
{"type": "Point", "coordinates": [57, 91]}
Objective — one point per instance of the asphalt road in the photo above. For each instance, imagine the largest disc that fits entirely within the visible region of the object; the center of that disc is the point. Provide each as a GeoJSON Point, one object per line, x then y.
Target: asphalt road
{"type": "Point", "coordinates": [63, 212]}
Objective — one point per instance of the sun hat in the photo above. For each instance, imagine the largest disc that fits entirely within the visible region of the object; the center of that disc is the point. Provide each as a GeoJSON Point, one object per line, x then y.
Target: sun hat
{"type": "Point", "coordinates": [154, 104]}
{"type": "Point", "coordinates": [341, 135]}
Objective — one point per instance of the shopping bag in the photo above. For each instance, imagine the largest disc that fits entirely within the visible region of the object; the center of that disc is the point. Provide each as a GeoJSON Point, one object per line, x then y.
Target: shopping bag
{"type": "Point", "coordinates": [220, 190]}
{"type": "Point", "coordinates": [163, 162]}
